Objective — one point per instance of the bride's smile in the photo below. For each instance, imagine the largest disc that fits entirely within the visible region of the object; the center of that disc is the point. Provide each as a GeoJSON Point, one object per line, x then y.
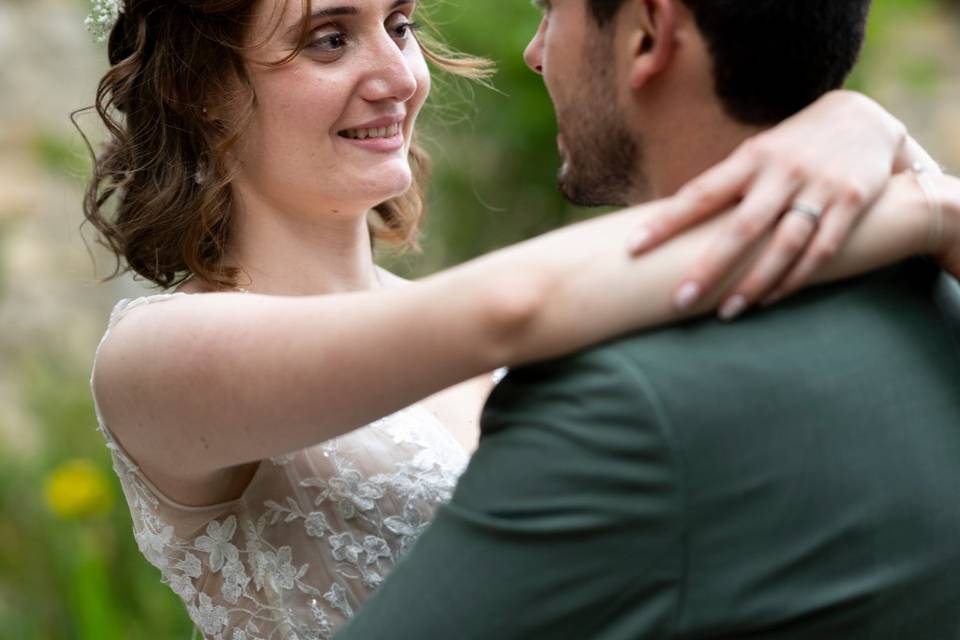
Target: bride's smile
{"type": "Point", "coordinates": [333, 125]}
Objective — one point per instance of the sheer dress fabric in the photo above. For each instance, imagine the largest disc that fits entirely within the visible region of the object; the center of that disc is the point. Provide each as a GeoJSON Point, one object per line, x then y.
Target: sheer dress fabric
{"type": "Point", "coordinates": [312, 536]}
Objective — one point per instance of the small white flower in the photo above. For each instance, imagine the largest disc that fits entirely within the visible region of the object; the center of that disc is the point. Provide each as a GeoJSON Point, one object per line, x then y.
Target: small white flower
{"type": "Point", "coordinates": [217, 543]}
{"type": "Point", "coordinates": [190, 565]}
{"type": "Point", "coordinates": [408, 527]}
{"type": "Point", "coordinates": [316, 524]}
{"type": "Point", "coordinates": [371, 579]}
{"type": "Point", "coordinates": [153, 544]}
{"type": "Point", "coordinates": [352, 492]}
{"type": "Point", "coordinates": [278, 568]}
{"type": "Point", "coordinates": [345, 548]}
{"type": "Point", "coordinates": [235, 580]}
{"type": "Point", "coordinates": [183, 587]}
{"type": "Point", "coordinates": [210, 618]}
{"type": "Point", "coordinates": [337, 597]}
{"type": "Point", "coordinates": [103, 15]}
{"type": "Point", "coordinates": [376, 548]}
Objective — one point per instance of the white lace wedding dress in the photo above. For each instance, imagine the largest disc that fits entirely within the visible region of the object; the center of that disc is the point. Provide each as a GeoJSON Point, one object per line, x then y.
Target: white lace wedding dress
{"type": "Point", "coordinates": [312, 536]}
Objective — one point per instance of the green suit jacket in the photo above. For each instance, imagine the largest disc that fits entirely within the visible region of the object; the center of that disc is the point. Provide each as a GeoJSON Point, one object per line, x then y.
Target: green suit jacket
{"type": "Point", "coordinates": [795, 474]}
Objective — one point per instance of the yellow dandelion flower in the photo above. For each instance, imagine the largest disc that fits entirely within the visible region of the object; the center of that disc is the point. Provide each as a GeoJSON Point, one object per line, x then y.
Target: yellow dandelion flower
{"type": "Point", "coordinates": [78, 489]}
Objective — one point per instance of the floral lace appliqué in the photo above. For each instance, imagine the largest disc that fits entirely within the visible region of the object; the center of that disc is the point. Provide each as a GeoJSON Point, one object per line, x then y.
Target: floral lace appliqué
{"type": "Point", "coordinates": [314, 534]}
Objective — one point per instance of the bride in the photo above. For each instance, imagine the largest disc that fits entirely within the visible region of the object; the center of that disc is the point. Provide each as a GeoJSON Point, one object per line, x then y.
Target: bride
{"type": "Point", "coordinates": [285, 419]}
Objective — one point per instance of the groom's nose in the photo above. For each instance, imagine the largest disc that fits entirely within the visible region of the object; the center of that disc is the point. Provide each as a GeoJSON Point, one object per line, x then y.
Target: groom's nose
{"type": "Point", "coordinates": [533, 55]}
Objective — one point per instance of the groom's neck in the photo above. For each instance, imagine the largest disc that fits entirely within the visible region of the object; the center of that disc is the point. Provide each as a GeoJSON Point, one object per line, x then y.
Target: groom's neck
{"type": "Point", "coordinates": [681, 148]}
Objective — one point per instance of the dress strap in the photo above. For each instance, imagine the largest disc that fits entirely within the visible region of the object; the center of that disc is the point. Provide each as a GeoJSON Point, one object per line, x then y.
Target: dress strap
{"type": "Point", "coordinates": [129, 304]}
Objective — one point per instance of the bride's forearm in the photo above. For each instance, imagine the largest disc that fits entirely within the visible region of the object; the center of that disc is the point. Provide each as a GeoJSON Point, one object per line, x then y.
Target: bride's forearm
{"type": "Point", "coordinates": [584, 287]}
{"type": "Point", "coordinates": [597, 291]}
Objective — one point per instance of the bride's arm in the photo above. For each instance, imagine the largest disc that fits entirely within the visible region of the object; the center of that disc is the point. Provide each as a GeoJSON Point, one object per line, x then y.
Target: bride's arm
{"type": "Point", "coordinates": [203, 383]}
{"type": "Point", "coordinates": [638, 291]}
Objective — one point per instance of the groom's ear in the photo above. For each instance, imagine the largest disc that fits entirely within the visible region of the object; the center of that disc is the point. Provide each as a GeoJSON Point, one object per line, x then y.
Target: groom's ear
{"type": "Point", "coordinates": [650, 38]}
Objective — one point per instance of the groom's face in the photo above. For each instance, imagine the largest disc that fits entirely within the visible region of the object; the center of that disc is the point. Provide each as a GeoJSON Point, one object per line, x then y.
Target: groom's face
{"type": "Point", "coordinates": [601, 159]}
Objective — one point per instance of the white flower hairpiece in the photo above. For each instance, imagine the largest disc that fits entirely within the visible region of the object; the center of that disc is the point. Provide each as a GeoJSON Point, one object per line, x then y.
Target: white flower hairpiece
{"type": "Point", "coordinates": [103, 16]}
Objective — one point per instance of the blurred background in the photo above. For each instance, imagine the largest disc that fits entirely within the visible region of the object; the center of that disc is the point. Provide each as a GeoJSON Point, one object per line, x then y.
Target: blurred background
{"type": "Point", "coordinates": [69, 568]}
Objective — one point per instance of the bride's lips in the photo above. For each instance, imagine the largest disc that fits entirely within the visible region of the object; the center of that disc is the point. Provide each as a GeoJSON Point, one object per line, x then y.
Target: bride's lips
{"type": "Point", "coordinates": [382, 144]}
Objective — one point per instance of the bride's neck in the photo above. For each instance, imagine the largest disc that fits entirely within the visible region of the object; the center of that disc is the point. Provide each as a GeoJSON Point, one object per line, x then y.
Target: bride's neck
{"type": "Point", "coordinates": [296, 255]}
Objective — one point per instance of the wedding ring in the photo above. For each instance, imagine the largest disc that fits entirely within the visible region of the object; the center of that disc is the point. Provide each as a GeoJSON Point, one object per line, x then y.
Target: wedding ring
{"type": "Point", "coordinates": [811, 213]}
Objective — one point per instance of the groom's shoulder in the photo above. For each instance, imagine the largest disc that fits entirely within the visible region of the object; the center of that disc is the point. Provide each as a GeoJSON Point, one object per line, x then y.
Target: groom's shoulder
{"type": "Point", "coordinates": [909, 309]}
{"type": "Point", "coordinates": [908, 304]}
{"type": "Point", "coordinates": [598, 394]}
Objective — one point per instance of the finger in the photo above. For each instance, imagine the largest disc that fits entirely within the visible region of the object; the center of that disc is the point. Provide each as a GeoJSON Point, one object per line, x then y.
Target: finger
{"type": "Point", "coordinates": [702, 197]}
{"type": "Point", "coordinates": [836, 228]}
{"type": "Point", "coordinates": [753, 219]}
{"type": "Point", "coordinates": [791, 238]}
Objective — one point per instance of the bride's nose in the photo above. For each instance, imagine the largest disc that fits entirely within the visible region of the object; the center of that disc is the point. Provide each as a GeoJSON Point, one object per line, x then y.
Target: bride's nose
{"type": "Point", "coordinates": [390, 75]}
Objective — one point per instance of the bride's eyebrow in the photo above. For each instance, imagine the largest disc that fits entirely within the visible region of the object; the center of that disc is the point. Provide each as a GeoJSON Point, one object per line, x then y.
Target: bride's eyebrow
{"type": "Point", "coordinates": [346, 10]}
{"type": "Point", "coordinates": [337, 12]}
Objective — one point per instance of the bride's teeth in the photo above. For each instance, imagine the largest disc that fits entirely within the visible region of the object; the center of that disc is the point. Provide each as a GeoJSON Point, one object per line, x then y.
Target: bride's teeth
{"type": "Point", "coordinates": [383, 132]}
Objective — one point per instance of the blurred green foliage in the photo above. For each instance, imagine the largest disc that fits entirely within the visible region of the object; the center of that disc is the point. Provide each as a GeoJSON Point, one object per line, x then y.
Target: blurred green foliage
{"type": "Point", "coordinates": [81, 577]}
{"type": "Point", "coordinates": [61, 155]}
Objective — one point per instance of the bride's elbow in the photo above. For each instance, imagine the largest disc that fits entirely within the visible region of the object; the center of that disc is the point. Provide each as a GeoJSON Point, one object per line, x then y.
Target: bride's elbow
{"type": "Point", "coordinates": [513, 307]}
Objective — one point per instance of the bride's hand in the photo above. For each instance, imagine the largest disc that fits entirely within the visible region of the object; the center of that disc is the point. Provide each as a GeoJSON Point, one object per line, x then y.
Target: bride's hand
{"type": "Point", "coordinates": [834, 158]}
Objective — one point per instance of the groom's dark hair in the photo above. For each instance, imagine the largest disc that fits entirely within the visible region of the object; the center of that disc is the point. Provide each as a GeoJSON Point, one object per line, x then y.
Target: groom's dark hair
{"type": "Point", "coordinates": [772, 58]}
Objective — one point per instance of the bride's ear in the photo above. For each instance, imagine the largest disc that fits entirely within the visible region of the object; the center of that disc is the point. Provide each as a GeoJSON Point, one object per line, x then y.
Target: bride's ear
{"type": "Point", "coordinates": [651, 37]}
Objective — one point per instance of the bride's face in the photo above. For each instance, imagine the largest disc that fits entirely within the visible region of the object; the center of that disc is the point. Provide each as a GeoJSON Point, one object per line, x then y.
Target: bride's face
{"type": "Point", "coordinates": [332, 127]}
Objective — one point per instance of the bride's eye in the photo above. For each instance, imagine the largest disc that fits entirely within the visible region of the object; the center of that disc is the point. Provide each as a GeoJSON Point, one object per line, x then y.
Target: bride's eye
{"type": "Point", "coordinates": [327, 41]}
{"type": "Point", "coordinates": [402, 27]}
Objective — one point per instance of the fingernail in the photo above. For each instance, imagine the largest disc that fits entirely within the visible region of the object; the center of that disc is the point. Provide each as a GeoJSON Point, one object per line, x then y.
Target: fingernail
{"type": "Point", "coordinates": [733, 308]}
{"type": "Point", "coordinates": [640, 240]}
{"type": "Point", "coordinates": [686, 295]}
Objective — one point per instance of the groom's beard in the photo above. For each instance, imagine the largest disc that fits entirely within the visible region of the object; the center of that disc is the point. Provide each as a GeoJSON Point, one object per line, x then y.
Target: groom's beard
{"type": "Point", "coordinates": [602, 161]}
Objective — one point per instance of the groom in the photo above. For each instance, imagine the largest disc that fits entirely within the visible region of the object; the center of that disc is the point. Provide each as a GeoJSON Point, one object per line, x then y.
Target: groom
{"type": "Point", "coordinates": [795, 474]}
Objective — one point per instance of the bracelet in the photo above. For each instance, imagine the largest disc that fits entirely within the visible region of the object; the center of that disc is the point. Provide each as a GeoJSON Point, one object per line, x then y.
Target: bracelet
{"type": "Point", "coordinates": [932, 196]}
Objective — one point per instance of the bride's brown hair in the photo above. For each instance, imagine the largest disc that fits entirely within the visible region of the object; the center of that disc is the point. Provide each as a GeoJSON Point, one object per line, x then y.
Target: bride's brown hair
{"type": "Point", "coordinates": [166, 162]}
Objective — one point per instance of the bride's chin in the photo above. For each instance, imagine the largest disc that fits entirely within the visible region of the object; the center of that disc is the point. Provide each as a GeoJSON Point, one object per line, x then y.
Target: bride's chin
{"type": "Point", "coordinates": [390, 189]}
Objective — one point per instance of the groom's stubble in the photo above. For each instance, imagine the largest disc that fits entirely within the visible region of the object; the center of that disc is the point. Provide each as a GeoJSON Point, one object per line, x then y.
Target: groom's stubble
{"type": "Point", "coordinates": [602, 163]}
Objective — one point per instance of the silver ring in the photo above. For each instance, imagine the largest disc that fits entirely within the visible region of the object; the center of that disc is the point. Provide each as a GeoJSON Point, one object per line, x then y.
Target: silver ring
{"type": "Point", "coordinates": [814, 214]}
